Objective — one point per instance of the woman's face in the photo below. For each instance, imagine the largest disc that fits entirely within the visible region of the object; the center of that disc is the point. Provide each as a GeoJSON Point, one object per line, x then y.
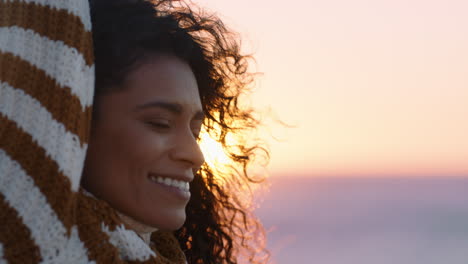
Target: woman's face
{"type": "Point", "coordinates": [143, 149]}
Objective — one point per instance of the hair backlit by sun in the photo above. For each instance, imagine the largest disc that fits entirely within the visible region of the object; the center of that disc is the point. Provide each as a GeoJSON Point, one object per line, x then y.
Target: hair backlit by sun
{"type": "Point", "coordinates": [218, 159]}
{"type": "Point", "coordinates": [213, 151]}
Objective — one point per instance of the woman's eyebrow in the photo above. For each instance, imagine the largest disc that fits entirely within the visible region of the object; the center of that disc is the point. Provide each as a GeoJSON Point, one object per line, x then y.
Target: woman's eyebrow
{"type": "Point", "coordinates": [175, 108]}
{"type": "Point", "coordinates": [171, 107]}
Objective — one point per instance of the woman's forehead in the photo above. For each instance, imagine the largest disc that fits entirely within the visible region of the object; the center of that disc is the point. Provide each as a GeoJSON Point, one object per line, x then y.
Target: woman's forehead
{"type": "Point", "coordinates": [165, 79]}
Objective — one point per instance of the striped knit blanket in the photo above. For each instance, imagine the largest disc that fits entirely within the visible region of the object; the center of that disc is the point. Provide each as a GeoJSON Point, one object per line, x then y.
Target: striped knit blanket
{"type": "Point", "coordinates": [46, 95]}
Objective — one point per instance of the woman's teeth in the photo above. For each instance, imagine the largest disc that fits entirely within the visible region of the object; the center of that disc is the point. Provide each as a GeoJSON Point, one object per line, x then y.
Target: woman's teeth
{"type": "Point", "coordinates": [182, 185]}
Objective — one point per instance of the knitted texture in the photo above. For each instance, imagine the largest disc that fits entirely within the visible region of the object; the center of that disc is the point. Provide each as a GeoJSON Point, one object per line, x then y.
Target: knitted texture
{"type": "Point", "coordinates": [46, 95]}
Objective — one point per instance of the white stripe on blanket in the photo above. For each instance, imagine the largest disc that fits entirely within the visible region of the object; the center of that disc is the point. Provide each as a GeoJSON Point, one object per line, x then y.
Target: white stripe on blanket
{"type": "Point", "coordinates": [59, 144]}
{"type": "Point", "coordinates": [59, 61]}
{"type": "Point", "coordinates": [46, 229]}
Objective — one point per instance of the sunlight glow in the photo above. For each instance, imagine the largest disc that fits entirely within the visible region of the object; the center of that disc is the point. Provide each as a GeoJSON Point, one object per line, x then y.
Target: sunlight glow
{"type": "Point", "coordinates": [213, 151]}
{"type": "Point", "coordinates": [370, 87]}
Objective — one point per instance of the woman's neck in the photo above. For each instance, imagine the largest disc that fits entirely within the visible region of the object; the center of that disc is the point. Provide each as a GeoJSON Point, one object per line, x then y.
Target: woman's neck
{"type": "Point", "coordinates": [143, 230]}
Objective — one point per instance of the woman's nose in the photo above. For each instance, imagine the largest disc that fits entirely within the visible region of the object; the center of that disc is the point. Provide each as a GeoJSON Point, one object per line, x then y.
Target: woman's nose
{"type": "Point", "coordinates": [186, 149]}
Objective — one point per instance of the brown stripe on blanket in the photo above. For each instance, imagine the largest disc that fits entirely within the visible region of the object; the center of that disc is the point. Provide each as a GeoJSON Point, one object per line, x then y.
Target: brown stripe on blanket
{"type": "Point", "coordinates": [33, 159]}
{"type": "Point", "coordinates": [64, 106]}
{"type": "Point", "coordinates": [93, 213]}
{"type": "Point", "coordinates": [18, 245]}
{"type": "Point", "coordinates": [66, 27]}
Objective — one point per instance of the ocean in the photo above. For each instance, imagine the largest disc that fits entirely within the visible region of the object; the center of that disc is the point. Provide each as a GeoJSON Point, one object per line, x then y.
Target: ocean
{"type": "Point", "coordinates": [366, 220]}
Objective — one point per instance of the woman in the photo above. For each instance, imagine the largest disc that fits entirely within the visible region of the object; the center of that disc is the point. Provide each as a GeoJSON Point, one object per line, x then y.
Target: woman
{"type": "Point", "coordinates": [163, 72]}
{"type": "Point", "coordinates": [110, 171]}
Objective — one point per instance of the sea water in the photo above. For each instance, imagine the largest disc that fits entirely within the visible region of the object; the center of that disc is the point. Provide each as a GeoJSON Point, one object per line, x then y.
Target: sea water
{"type": "Point", "coordinates": [367, 220]}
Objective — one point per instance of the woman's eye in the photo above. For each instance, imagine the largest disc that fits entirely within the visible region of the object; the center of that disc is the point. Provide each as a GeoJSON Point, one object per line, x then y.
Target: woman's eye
{"type": "Point", "coordinates": [159, 124]}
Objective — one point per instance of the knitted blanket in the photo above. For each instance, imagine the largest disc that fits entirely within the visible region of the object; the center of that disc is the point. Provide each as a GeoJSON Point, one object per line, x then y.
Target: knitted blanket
{"type": "Point", "coordinates": [46, 95]}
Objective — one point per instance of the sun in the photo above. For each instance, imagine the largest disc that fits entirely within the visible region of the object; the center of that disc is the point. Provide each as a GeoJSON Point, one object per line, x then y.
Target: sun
{"type": "Point", "coordinates": [213, 151]}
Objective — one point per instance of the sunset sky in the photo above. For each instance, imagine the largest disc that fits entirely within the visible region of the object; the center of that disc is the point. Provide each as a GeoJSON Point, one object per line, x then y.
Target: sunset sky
{"type": "Point", "coordinates": [370, 87]}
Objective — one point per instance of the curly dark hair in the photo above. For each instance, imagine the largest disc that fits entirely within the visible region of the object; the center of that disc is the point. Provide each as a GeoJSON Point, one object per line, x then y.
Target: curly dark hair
{"type": "Point", "coordinates": [220, 226]}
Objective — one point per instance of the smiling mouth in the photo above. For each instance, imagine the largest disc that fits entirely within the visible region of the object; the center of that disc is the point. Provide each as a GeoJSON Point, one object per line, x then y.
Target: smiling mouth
{"type": "Point", "coordinates": [181, 185]}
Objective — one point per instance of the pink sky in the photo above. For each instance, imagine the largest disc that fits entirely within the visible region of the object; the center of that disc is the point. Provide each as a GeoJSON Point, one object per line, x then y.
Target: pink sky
{"type": "Point", "coordinates": [372, 87]}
